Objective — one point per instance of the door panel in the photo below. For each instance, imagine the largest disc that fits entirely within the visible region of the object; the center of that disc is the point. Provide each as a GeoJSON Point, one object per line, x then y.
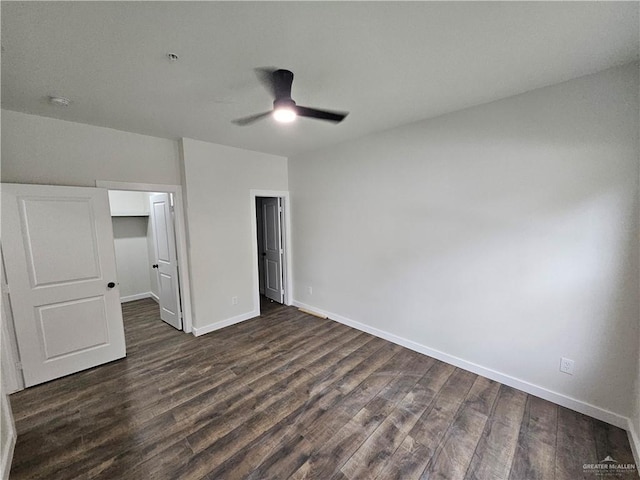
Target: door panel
{"type": "Point", "coordinates": [46, 222]}
{"type": "Point", "coordinates": [160, 217]}
{"type": "Point", "coordinates": [273, 280]}
{"type": "Point", "coordinates": [58, 319]}
{"type": "Point", "coordinates": [59, 257]}
{"type": "Point", "coordinates": [166, 259]}
{"type": "Point", "coordinates": [272, 236]}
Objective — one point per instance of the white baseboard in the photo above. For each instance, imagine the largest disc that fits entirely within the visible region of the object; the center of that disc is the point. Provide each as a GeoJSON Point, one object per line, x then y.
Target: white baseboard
{"type": "Point", "coordinates": [197, 331]}
{"type": "Point", "coordinates": [154, 297]}
{"type": "Point", "coordinates": [555, 397]}
{"type": "Point", "coordinates": [137, 296]}
{"type": "Point", "coordinates": [634, 440]}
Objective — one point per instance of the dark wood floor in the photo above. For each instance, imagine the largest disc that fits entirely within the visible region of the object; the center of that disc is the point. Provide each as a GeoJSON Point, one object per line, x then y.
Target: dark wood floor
{"type": "Point", "coordinates": [288, 395]}
{"type": "Point", "coordinates": [267, 306]}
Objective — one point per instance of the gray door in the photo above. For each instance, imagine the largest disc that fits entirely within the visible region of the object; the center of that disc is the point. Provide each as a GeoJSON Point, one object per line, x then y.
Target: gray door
{"type": "Point", "coordinates": [272, 254]}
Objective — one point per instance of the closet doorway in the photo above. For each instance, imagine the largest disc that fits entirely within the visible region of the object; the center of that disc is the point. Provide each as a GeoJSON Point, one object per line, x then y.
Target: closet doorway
{"type": "Point", "coordinates": [272, 247]}
{"type": "Point", "coordinates": [149, 241]}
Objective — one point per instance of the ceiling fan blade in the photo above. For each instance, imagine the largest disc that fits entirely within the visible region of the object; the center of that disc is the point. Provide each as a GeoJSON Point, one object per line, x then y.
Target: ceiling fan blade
{"type": "Point", "coordinates": [250, 119]}
{"type": "Point", "coordinates": [335, 117]}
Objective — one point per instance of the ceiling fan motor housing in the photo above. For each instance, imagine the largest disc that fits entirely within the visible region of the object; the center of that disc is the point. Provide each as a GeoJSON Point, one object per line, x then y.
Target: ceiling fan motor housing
{"type": "Point", "coordinates": [284, 103]}
{"type": "Point", "coordinates": [282, 80]}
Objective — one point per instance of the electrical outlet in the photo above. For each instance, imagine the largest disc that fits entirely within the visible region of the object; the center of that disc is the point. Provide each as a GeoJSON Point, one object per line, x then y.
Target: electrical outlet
{"type": "Point", "coordinates": [234, 300]}
{"type": "Point", "coordinates": [566, 365]}
{"type": "Point", "coordinates": [310, 290]}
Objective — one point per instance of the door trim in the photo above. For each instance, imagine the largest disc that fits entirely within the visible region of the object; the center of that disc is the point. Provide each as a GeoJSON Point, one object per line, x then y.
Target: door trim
{"type": "Point", "coordinates": [8, 447]}
{"type": "Point", "coordinates": [181, 237]}
{"type": "Point", "coordinates": [11, 374]}
{"type": "Point", "coordinates": [287, 270]}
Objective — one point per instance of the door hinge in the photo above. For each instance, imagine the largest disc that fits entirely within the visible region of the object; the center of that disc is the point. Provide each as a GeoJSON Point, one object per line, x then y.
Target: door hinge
{"type": "Point", "coordinates": [279, 209]}
{"type": "Point", "coordinates": [18, 365]}
{"type": "Point", "coordinates": [5, 288]}
{"type": "Point", "coordinates": [282, 251]}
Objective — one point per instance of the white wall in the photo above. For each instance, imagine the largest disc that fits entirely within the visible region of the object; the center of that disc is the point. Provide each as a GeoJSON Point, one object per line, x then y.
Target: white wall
{"type": "Point", "coordinates": [132, 256]}
{"type": "Point", "coordinates": [54, 152]}
{"type": "Point", "coordinates": [218, 183]}
{"type": "Point", "coordinates": [134, 244]}
{"type": "Point", "coordinates": [128, 203]}
{"type": "Point", "coordinates": [504, 235]}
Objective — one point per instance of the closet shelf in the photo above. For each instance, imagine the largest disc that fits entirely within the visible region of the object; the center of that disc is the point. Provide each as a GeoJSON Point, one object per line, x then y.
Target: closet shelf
{"type": "Point", "coordinates": [130, 214]}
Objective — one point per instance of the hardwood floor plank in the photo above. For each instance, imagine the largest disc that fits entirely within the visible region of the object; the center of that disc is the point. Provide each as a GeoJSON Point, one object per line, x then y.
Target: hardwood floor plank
{"type": "Point", "coordinates": [289, 395]}
{"type": "Point", "coordinates": [433, 424]}
{"type": "Point", "coordinates": [341, 437]}
{"type": "Point", "coordinates": [275, 454]}
{"type": "Point", "coordinates": [482, 395]}
{"type": "Point", "coordinates": [262, 398]}
{"type": "Point", "coordinates": [404, 463]}
{"type": "Point", "coordinates": [326, 461]}
{"type": "Point", "coordinates": [494, 453]}
{"type": "Point", "coordinates": [294, 434]}
{"type": "Point", "coordinates": [509, 406]}
{"type": "Point", "coordinates": [355, 389]}
{"type": "Point", "coordinates": [120, 386]}
{"type": "Point", "coordinates": [534, 457]}
{"type": "Point", "coordinates": [426, 433]}
{"type": "Point", "coordinates": [452, 458]}
{"type": "Point", "coordinates": [610, 442]}
{"type": "Point", "coordinates": [576, 445]}
{"type": "Point", "coordinates": [370, 459]}
{"type": "Point", "coordinates": [96, 450]}
{"type": "Point", "coordinates": [411, 457]}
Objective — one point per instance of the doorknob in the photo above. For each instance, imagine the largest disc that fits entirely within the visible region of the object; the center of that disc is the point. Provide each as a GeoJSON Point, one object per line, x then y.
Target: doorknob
{"type": "Point", "coordinates": [155, 265]}
{"type": "Point", "coordinates": [111, 285]}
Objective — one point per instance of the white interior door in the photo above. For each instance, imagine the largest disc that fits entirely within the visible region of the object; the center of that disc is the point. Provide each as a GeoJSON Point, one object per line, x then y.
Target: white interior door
{"type": "Point", "coordinates": [272, 254]}
{"type": "Point", "coordinates": [61, 271]}
{"type": "Point", "coordinates": [166, 259]}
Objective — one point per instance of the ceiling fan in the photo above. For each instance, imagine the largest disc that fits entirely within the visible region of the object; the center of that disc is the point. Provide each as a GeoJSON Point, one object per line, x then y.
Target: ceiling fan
{"type": "Point", "coordinates": [285, 109]}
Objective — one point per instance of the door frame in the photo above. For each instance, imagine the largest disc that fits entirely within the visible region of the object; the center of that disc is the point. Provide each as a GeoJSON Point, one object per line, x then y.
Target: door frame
{"type": "Point", "coordinates": [181, 237]}
{"type": "Point", "coordinates": [10, 367]}
{"type": "Point", "coordinates": [8, 447]}
{"type": "Point", "coordinates": [287, 269]}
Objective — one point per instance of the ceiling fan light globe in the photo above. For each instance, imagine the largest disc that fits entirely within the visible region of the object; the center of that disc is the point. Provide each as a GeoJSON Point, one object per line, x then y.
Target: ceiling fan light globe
{"type": "Point", "coordinates": [284, 115]}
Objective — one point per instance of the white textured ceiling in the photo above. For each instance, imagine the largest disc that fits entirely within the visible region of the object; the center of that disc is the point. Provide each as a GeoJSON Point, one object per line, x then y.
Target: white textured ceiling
{"type": "Point", "coordinates": [388, 63]}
